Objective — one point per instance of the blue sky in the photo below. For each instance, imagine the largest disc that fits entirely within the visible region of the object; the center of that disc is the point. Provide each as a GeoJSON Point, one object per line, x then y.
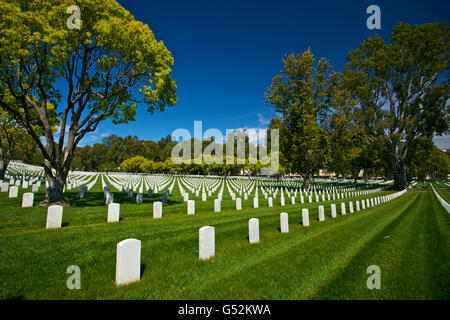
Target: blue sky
{"type": "Point", "coordinates": [226, 53]}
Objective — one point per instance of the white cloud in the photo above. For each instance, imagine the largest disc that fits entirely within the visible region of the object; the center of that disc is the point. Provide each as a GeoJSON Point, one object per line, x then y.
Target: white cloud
{"type": "Point", "coordinates": [262, 121]}
{"type": "Point", "coordinates": [442, 142]}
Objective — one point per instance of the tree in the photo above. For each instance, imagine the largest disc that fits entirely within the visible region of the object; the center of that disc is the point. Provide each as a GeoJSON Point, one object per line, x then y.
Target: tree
{"type": "Point", "coordinates": [108, 66]}
{"type": "Point", "coordinates": [344, 135]}
{"type": "Point", "coordinates": [400, 80]}
{"type": "Point", "coordinates": [14, 140]}
{"type": "Point", "coordinates": [302, 93]}
{"type": "Point", "coordinates": [147, 166]}
{"type": "Point", "coordinates": [425, 159]}
{"type": "Point", "coordinates": [135, 164]}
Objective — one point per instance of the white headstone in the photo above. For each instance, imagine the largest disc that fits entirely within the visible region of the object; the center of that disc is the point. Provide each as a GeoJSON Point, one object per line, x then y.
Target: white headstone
{"type": "Point", "coordinates": [5, 186]}
{"type": "Point", "coordinates": [109, 198]}
{"type": "Point", "coordinates": [333, 210]}
{"type": "Point", "coordinates": [363, 204]}
{"type": "Point", "coordinates": [54, 217]}
{"type": "Point", "coordinates": [293, 200]}
{"type": "Point", "coordinates": [305, 217]}
{"type": "Point", "coordinates": [191, 207]}
{"type": "Point", "coordinates": [270, 202]}
{"type": "Point", "coordinates": [113, 212]}
{"type": "Point", "coordinates": [284, 222]}
{"type": "Point", "coordinates": [255, 202]}
{"type": "Point", "coordinates": [238, 204]}
{"type": "Point", "coordinates": [357, 205]}
{"type": "Point", "coordinates": [350, 207]}
{"type": "Point", "coordinates": [27, 199]}
{"type": "Point", "coordinates": [34, 188]}
{"type": "Point", "coordinates": [321, 213]}
{"type": "Point", "coordinates": [343, 209]}
{"type": "Point", "coordinates": [13, 192]}
{"type": "Point", "coordinates": [128, 261]}
{"type": "Point", "coordinates": [217, 206]}
{"type": "Point", "coordinates": [157, 209]}
{"type": "Point", "coordinates": [206, 243]}
{"type": "Point", "coordinates": [253, 230]}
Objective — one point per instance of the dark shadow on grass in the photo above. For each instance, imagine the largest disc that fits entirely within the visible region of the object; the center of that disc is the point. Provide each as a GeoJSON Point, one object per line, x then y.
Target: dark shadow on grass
{"type": "Point", "coordinates": [142, 269]}
{"type": "Point", "coordinates": [64, 224]}
{"type": "Point", "coordinates": [97, 199]}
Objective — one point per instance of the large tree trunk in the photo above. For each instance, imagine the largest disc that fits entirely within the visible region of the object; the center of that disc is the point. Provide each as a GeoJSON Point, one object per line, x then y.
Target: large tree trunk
{"type": "Point", "coordinates": [306, 181]}
{"type": "Point", "coordinates": [366, 175]}
{"type": "Point", "coordinates": [400, 175]}
{"type": "Point", "coordinates": [56, 184]}
{"type": "Point", "coordinates": [3, 168]}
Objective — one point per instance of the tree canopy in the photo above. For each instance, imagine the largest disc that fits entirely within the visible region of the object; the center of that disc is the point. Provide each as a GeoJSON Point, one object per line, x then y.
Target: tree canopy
{"type": "Point", "coordinates": [109, 66]}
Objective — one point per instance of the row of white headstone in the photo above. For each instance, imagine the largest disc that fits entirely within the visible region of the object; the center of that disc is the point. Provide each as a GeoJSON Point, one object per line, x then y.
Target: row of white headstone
{"type": "Point", "coordinates": [128, 254]}
{"type": "Point", "coordinates": [13, 190]}
{"type": "Point", "coordinates": [55, 212]}
{"type": "Point", "coordinates": [238, 204]}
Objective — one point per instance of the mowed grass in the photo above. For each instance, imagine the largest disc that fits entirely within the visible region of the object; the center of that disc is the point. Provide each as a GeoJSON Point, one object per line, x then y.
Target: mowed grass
{"type": "Point", "coordinates": [407, 238]}
{"type": "Point", "coordinates": [443, 190]}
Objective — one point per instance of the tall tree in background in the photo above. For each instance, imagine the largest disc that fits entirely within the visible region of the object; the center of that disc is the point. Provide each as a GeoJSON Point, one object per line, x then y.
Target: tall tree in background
{"type": "Point", "coordinates": [343, 133]}
{"type": "Point", "coordinates": [425, 159]}
{"type": "Point", "coordinates": [302, 94]}
{"type": "Point", "coordinates": [108, 66]}
{"type": "Point", "coordinates": [400, 80]}
{"type": "Point", "coordinates": [14, 141]}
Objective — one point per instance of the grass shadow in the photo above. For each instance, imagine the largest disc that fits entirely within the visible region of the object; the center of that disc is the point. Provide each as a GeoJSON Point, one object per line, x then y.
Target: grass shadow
{"type": "Point", "coordinates": [97, 199]}
{"type": "Point", "coordinates": [142, 269]}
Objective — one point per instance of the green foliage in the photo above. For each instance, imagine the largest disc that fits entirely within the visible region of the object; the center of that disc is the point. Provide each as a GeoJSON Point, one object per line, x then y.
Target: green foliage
{"type": "Point", "coordinates": [427, 160]}
{"type": "Point", "coordinates": [109, 66]}
{"type": "Point", "coordinates": [304, 94]}
{"type": "Point", "coordinates": [133, 164]}
{"type": "Point", "coordinates": [397, 86]}
{"type": "Point", "coordinates": [113, 150]}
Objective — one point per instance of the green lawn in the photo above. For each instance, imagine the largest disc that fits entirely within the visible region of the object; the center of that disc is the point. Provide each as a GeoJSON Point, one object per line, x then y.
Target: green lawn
{"type": "Point", "coordinates": [443, 190]}
{"type": "Point", "coordinates": [407, 238]}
